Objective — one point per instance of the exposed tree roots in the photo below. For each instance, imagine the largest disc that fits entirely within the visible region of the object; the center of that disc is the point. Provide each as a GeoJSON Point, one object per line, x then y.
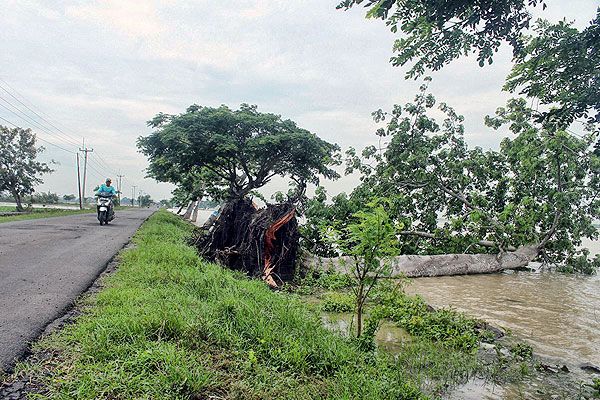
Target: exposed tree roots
{"type": "Point", "coordinates": [259, 242]}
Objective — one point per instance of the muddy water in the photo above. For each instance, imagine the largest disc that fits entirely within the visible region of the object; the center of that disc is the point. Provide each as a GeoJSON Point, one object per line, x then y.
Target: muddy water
{"type": "Point", "coordinates": [556, 313]}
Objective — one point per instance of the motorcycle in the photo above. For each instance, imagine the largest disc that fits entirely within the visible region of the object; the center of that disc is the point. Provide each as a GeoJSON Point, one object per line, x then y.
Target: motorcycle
{"type": "Point", "coordinates": [105, 209]}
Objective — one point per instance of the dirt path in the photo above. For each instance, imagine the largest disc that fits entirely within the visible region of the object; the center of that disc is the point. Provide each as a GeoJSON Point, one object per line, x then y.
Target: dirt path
{"type": "Point", "coordinates": [45, 264]}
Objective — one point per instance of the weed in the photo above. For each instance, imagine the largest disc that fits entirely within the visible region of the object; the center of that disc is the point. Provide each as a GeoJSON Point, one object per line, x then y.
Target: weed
{"type": "Point", "coordinates": [522, 350]}
{"type": "Point", "coordinates": [338, 302]}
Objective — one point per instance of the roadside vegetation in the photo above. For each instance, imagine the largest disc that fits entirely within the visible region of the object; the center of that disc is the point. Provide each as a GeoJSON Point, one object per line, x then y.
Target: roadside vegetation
{"type": "Point", "coordinates": [36, 213]}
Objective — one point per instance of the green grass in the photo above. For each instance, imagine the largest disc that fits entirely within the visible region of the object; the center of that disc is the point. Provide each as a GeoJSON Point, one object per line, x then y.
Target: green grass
{"type": "Point", "coordinates": [168, 325]}
{"type": "Point", "coordinates": [338, 302]}
{"type": "Point", "coordinates": [39, 213]}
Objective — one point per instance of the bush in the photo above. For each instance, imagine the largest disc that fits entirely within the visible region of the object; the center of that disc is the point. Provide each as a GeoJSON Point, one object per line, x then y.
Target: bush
{"type": "Point", "coordinates": [580, 263]}
{"type": "Point", "coordinates": [522, 350]}
{"type": "Point", "coordinates": [448, 327]}
{"type": "Point", "coordinates": [338, 302]}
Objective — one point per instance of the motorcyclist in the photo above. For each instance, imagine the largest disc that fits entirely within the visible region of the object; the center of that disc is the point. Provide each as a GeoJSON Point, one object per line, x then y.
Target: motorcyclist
{"type": "Point", "coordinates": [107, 190]}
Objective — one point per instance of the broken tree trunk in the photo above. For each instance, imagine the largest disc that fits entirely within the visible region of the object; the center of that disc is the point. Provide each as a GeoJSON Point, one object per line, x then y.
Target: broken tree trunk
{"type": "Point", "coordinates": [414, 266]}
{"type": "Point", "coordinates": [259, 242]}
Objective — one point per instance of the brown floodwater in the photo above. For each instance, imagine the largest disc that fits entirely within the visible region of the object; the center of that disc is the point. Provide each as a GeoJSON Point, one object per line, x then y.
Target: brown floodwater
{"type": "Point", "coordinates": [558, 314]}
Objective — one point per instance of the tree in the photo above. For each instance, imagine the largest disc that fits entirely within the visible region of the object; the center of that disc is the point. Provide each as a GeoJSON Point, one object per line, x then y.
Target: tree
{"type": "Point", "coordinates": [45, 198]}
{"type": "Point", "coordinates": [436, 33]}
{"type": "Point", "coordinates": [145, 200]}
{"type": "Point", "coordinates": [560, 66]}
{"type": "Point", "coordinates": [166, 203]}
{"type": "Point", "coordinates": [19, 170]}
{"type": "Point", "coordinates": [233, 152]}
{"type": "Point", "coordinates": [537, 193]}
{"type": "Point", "coordinates": [368, 242]}
{"type": "Point", "coordinates": [229, 154]}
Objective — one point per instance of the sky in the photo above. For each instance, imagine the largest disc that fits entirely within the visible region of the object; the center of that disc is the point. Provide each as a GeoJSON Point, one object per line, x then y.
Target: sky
{"type": "Point", "coordinates": [100, 69]}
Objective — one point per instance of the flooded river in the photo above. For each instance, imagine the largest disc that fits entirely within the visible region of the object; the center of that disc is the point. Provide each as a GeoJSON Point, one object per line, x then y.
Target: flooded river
{"type": "Point", "coordinates": [556, 313]}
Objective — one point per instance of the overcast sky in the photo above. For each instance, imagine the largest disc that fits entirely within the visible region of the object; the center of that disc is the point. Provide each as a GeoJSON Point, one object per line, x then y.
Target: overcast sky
{"type": "Point", "coordinates": [101, 69]}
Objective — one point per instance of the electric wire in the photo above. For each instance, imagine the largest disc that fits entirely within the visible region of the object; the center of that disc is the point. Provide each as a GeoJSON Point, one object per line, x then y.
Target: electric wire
{"type": "Point", "coordinates": [37, 137]}
{"type": "Point", "coordinates": [28, 119]}
{"type": "Point", "coordinates": [69, 137]}
{"type": "Point", "coordinates": [44, 124]}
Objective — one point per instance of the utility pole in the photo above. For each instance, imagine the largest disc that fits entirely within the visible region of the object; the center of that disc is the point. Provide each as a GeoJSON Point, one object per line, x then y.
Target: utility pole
{"type": "Point", "coordinates": [79, 183]}
{"type": "Point", "coordinates": [133, 196]}
{"type": "Point", "coordinates": [85, 150]}
{"type": "Point", "coordinates": [119, 187]}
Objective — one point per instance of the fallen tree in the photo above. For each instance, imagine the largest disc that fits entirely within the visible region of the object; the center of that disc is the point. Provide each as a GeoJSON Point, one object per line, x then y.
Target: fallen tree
{"type": "Point", "coordinates": [416, 266]}
{"type": "Point", "coordinates": [461, 210]}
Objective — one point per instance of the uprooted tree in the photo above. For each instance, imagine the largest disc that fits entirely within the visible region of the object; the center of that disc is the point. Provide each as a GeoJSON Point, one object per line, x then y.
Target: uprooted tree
{"type": "Point", "coordinates": [534, 198]}
{"type": "Point", "coordinates": [228, 154]}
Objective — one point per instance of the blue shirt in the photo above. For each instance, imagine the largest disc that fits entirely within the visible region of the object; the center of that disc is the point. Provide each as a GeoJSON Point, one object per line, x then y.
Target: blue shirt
{"type": "Point", "coordinates": [107, 190]}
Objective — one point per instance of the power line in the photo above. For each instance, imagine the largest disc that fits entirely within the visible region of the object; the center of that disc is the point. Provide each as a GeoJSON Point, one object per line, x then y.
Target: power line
{"type": "Point", "coordinates": [101, 160]}
{"type": "Point", "coordinates": [39, 138]}
{"type": "Point", "coordinates": [50, 127]}
{"type": "Point", "coordinates": [38, 115]}
{"type": "Point", "coordinates": [62, 136]}
{"type": "Point", "coordinates": [26, 119]}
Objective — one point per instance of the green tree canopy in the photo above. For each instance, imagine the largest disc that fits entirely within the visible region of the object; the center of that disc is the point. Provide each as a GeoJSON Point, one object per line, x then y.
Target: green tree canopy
{"type": "Point", "coordinates": [233, 152]}
{"type": "Point", "coordinates": [540, 188]}
{"type": "Point", "coordinates": [145, 200]}
{"type": "Point", "coordinates": [560, 66]}
{"type": "Point", "coordinates": [20, 172]}
{"type": "Point", "coordinates": [435, 33]}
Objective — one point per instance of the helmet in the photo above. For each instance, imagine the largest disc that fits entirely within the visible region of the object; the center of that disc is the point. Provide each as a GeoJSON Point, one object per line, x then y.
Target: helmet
{"type": "Point", "coordinates": [108, 180]}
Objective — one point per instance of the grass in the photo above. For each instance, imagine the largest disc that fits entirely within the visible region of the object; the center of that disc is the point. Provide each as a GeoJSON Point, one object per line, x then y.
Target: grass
{"type": "Point", "coordinates": [36, 213]}
{"type": "Point", "coordinates": [168, 325]}
{"type": "Point", "coordinates": [444, 350]}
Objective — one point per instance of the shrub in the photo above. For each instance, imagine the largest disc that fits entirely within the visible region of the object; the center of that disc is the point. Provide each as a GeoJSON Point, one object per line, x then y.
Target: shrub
{"type": "Point", "coordinates": [338, 302]}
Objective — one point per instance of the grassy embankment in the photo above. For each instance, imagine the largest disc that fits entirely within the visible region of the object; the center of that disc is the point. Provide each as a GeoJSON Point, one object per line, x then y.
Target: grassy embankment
{"type": "Point", "coordinates": [169, 325]}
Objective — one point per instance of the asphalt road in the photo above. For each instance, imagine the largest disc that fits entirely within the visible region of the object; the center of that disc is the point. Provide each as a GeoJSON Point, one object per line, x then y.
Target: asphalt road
{"type": "Point", "coordinates": [45, 264]}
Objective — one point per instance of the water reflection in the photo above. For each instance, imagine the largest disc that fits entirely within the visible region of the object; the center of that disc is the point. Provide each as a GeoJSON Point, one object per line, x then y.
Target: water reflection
{"type": "Point", "coordinates": [389, 336]}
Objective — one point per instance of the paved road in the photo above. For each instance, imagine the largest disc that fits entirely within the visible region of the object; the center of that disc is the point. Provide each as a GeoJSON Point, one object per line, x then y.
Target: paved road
{"type": "Point", "coordinates": [45, 264]}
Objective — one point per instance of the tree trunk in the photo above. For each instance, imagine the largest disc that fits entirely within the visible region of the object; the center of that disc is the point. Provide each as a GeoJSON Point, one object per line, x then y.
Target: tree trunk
{"type": "Point", "coordinates": [17, 197]}
{"type": "Point", "coordinates": [359, 309]}
{"type": "Point", "coordinates": [195, 212]}
{"type": "Point", "coordinates": [190, 209]}
{"type": "Point", "coordinates": [414, 266]}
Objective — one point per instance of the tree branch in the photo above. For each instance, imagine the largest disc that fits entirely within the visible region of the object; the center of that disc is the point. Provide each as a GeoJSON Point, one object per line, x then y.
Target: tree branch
{"type": "Point", "coordinates": [427, 235]}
